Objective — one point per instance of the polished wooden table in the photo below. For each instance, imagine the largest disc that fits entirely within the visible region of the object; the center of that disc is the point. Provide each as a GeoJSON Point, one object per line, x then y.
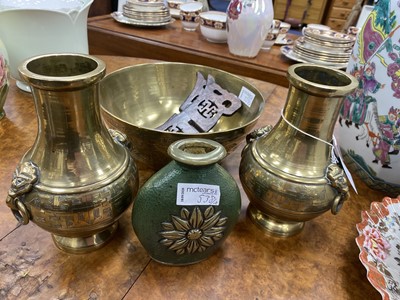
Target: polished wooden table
{"type": "Point", "coordinates": [319, 263]}
{"type": "Point", "coordinates": [172, 43]}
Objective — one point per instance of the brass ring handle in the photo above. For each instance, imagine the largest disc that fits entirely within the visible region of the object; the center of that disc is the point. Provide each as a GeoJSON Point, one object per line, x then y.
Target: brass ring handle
{"type": "Point", "coordinates": [337, 204]}
{"type": "Point", "coordinates": [24, 178]}
{"type": "Point", "coordinates": [22, 213]}
{"type": "Point", "coordinates": [120, 138]}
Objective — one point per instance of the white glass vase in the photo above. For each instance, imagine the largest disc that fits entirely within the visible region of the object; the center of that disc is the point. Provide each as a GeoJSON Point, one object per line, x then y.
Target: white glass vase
{"type": "Point", "coordinates": [248, 22]}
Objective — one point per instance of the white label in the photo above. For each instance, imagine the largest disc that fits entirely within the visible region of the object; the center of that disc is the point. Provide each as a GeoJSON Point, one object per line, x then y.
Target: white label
{"type": "Point", "coordinates": [246, 96]}
{"type": "Point", "coordinates": [197, 194]}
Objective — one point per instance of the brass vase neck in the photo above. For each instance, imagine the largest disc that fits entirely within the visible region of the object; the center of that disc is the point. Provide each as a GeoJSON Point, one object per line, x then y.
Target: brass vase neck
{"type": "Point", "coordinates": [72, 140]}
{"type": "Point", "coordinates": [299, 142]}
{"type": "Point", "coordinates": [314, 98]}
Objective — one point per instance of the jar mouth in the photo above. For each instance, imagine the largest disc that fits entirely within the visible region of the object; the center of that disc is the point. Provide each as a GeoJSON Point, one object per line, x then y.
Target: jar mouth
{"type": "Point", "coordinates": [322, 76]}
{"type": "Point", "coordinates": [61, 65]}
{"type": "Point", "coordinates": [321, 80]}
{"type": "Point", "coordinates": [196, 152]}
{"type": "Point", "coordinates": [64, 70]}
{"type": "Point", "coordinates": [197, 148]}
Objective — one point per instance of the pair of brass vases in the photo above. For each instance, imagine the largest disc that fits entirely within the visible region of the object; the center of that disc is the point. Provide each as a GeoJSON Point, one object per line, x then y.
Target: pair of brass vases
{"type": "Point", "coordinates": [78, 179]}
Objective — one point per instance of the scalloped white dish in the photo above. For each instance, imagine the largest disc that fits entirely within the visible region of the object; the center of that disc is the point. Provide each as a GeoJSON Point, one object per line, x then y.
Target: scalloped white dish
{"type": "Point", "coordinates": [379, 244]}
{"type": "Point", "coordinates": [284, 41]}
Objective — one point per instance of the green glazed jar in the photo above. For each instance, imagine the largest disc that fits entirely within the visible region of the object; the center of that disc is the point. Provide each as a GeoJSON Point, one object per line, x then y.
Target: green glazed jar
{"type": "Point", "coordinates": [185, 211]}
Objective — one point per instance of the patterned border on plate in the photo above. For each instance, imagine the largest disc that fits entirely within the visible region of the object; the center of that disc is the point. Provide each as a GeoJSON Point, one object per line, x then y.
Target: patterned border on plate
{"type": "Point", "coordinates": [379, 244]}
{"type": "Point", "coordinates": [117, 16]}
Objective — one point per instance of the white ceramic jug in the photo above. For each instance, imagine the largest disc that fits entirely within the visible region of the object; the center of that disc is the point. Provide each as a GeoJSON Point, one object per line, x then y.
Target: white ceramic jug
{"type": "Point", "coordinates": [34, 27]}
{"type": "Point", "coordinates": [248, 23]}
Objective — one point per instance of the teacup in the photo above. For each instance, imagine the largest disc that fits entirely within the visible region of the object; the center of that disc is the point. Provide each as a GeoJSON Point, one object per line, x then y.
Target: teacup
{"type": "Point", "coordinates": [273, 34]}
{"type": "Point", "coordinates": [283, 30]}
{"type": "Point", "coordinates": [190, 15]}
{"type": "Point", "coordinates": [353, 30]}
{"type": "Point", "coordinates": [174, 7]}
{"type": "Point", "coordinates": [175, 4]}
{"type": "Point", "coordinates": [213, 26]}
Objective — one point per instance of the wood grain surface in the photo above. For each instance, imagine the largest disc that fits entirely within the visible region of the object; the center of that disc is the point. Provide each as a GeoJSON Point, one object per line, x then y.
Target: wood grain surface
{"type": "Point", "coordinates": [319, 263]}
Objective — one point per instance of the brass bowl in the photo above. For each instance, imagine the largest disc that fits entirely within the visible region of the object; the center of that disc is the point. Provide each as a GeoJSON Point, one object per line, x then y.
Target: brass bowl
{"type": "Point", "coordinates": [137, 99]}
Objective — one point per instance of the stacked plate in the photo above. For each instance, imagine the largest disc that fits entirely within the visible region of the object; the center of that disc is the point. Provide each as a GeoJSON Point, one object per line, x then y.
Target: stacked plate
{"type": "Point", "coordinates": [324, 47]}
{"type": "Point", "coordinates": [144, 13]}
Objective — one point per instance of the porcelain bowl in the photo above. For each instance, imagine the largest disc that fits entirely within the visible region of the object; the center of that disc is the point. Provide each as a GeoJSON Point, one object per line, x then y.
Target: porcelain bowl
{"type": "Point", "coordinates": [175, 4]}
{"type": "Point", "coordinates": [213, 26]}
{"type": "Point", "coordinates": [174, 7]}
{"type": "Point", "coordinates": [137, 99]}
{"type": "Point", "coordinates": [190, 15]}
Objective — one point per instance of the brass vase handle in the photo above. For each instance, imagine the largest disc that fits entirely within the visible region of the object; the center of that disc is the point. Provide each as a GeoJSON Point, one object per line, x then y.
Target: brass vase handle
{"type": "Point", "coordinates": [254, 135]}
{"type": "Point", "coordinates": [24, 177]}
{"type": "Point", "coordinates": [120, 138]}
{"type": "Point", "coordinates": [338, 181]}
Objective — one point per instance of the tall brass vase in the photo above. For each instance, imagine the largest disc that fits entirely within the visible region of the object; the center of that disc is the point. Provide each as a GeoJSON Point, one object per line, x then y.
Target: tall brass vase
{"type": "Point", "coordinates": [287, 170]}
{"type": "Point", "coordinates": [76, 180]}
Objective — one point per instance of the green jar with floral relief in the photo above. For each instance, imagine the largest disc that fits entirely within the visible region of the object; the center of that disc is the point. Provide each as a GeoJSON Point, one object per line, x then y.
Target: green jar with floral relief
{"type": "Point", "coordinates": [186, 210]}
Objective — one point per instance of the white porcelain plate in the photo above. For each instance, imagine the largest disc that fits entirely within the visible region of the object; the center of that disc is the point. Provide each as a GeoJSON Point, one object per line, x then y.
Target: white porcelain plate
{"type": "Point", "coordinates": [379, 243]}
{"type": "Point", "coordinates": [119, 17]}
{"type": "Point", "coordinates": [289, 53]}
{"type": "Point", "coordinates": [284, 41]}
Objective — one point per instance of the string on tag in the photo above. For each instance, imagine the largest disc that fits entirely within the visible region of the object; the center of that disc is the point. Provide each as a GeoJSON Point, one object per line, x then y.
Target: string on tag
{"type": "Point", "coordinates": [336, 156]}
{"type": "Point", "coordinates": [306, 133]}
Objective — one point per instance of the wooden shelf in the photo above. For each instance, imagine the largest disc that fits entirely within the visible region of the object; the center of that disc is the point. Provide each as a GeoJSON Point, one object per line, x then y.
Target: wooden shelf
{"type": "Point", "coordinates": [300, 10]}
{"type": "Point", "coordinates": [338, 13]}
{"type": "Point", "coordinates": [172, 43]}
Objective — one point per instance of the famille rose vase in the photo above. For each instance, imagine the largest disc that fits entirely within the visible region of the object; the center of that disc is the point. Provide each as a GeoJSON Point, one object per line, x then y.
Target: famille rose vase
{"type": "Point", "coordinates": [369, 123]}
{"type": "Point", "coordinates": [186, 210]}
{"type": "Point", "coordinates": [248, 23]}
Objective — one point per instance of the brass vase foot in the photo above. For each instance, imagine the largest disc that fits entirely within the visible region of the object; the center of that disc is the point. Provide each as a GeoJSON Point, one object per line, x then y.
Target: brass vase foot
{"type": "Point", "coordinates": [79, 245]}
{"type": "Point", "coordinates": [272, 225]}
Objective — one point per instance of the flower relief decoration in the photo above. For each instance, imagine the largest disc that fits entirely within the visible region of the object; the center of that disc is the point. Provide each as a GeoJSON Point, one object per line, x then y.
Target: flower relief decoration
{"type": "Point", "coordinates": [193, 231]}
{"type": "Point", "coordinates": [379, 244]}
{"type": "Point", "coordinates": [376, 64]}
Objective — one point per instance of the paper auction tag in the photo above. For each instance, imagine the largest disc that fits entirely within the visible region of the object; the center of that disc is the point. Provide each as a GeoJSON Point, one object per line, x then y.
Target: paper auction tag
{"type": "Point", "coordinates": [246, 96]}
{"type": "Point", "coordinates": [197, 194]}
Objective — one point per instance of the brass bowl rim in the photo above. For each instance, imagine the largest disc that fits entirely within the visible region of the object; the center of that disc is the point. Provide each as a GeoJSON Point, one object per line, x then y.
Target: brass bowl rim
{"type": "Point", "coordinates": [203, 134]}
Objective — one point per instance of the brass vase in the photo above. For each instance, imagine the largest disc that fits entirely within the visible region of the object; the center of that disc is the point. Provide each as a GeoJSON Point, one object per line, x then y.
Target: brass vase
{"type": "Point", "coordinates": [77, 179]}
{"type": "Point", "coordinates": [287, 170]}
